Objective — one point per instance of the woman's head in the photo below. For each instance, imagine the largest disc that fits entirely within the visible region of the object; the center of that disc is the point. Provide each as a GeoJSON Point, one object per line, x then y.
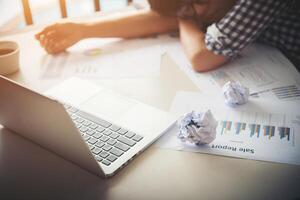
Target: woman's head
{"type": "Point", "coordinates": [207, 10]}
{"type": "Point", "coordinates": [166, 7]}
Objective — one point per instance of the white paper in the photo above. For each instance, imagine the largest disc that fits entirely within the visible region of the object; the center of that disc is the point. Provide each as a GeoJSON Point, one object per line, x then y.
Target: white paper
{"type": "Point", "coordinates": [106, 58]}
{"type": "Point", "coordinates": [285, 93]}
{"type": "Point", "coordinates": [92, 58]}
{"type": "Point", "coordinates": [259, 68]}
{"type": "Point", "coordinates": [235, 94]}
{"type": "Point", "coordinates": [197, 127]}
{"type": "Point", "coordinates": [243, 132]}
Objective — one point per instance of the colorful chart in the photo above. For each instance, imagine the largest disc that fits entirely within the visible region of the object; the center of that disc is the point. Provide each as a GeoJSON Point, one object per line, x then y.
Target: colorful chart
{"type": "Point", "coordinates": [226, 126]}
{"type": "Point", "coordinates": [239, 127]}
{"type": "Point", "coordinates": [284, 132]}
{"type": "Point", "coordinates": [254, 130]}
{"type": "Point", "coordinates": [269, 131]}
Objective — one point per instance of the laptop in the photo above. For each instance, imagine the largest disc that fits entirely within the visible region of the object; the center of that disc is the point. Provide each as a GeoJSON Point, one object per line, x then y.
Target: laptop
{"type": "Point", "coordinates": [93, 127]}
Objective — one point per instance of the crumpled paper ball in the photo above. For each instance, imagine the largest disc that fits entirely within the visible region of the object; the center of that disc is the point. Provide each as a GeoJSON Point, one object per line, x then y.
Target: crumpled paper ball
{"type": "Point", "coordinates": [197, 127]}
{"type": "Point", "coordinates": [235, 93]}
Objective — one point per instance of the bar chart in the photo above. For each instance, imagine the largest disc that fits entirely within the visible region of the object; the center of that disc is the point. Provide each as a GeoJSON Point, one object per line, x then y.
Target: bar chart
{"type": "Point", "coordinates": [269, 131]}
{"type": "Point", "coordinates": [284, 132]}
{"type": "Point", "coordinates": [239, 127]}
{"type": "Point", "coordinates": [256, 127]}
{"type": "Point", "coordinates": [226, 127]}
{"type": "Point", "coordinates": [254, 130]}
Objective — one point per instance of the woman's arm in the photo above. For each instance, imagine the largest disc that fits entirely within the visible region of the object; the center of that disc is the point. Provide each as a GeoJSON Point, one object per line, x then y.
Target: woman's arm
{"type": "Point", "coordinates": [193, 42]}
{"type": "Point", "coordinates": [58, 37]}
{"type": "Point", "coordinates": [138, 24]}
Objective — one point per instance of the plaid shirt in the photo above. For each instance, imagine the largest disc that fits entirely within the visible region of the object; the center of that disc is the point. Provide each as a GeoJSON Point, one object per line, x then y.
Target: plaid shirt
{"type": "Point", "coordinates": [274, 22]}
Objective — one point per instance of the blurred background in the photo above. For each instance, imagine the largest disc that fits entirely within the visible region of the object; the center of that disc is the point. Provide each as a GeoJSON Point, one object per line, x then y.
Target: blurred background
{"type": "Point", "coordinates": [48, 11]}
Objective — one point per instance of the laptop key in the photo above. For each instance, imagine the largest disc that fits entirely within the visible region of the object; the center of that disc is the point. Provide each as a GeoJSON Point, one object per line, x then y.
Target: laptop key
{"type": "Point", "coordinates": [112, 158]}
{"type": "Point", "coordinates": [111, 141]}
{"type": "Point", "coordinates": [100, 129]}
{"type": "Point", "coordinates": [87, 123]}
{"type": "Point", "coordinates": [106, 147]}
{"type": "Point", "coordinates": [91, 147]}
{"type": "Point", "coordinates": [137, 138]}
{"type": "Point", "coordinates": [92, 140]}
{"type": "Point", "coordinates": [114, 127]}
{"type": "Point", "coordinates": [130, 134]}
{"type": "Point", "coordinates": [83, 129]}
{"type": "Point", "coordinates": [93, 126]}
{"type": "Point", "coordinates": [72, 110]}
{"type": "Point", "coordinates": [114, 135]}
{"type": "Point", "coordinates": [79, 120]}
{"type": "Point", "coordinates": [122, 146]}
{"type": "Point", "coordinates": [96, 150]}
{"type": "Point", "coordinates": [116, 152]}
{"type": "Point", "coordinates": [78, 126]}
{"type": "Point", "coordinates": [86, 137]}
{"type": "Point", "coordinates": [122, 131]}
{"type": "Point", "coordinates": [100, 144]}
{"type": "Point", "coordinates": [98, 158]}
{"type": "Point", "coordinates": [126, 141]}
{"type": "Point", "coordinates": [91, 132]}
{"type": "Point", "coordinates": [106, 162]}
{"type": "Point", "coordinates": [96, 120]}
{"type": "Point", "coordinates": [97, 135]}
{"type": "Point", "coordinates": [107, 132]}
{"type": "Point", "coordinates": [104, 138]}
{"type": "Point", "coordinates": [104, 154]}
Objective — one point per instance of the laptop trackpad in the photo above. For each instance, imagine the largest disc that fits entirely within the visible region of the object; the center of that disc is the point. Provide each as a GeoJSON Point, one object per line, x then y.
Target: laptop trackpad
{"type": "Point", "coordinates": [108, 105]}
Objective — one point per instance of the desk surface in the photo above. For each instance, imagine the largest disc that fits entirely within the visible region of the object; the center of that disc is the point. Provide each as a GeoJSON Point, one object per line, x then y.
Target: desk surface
{"type": "Point", "coordinates": [28, 171]}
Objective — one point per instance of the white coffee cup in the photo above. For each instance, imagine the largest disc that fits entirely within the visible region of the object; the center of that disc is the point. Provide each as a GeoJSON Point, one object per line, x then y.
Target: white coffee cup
{"type": "Point", "coordinates": [9, 57]}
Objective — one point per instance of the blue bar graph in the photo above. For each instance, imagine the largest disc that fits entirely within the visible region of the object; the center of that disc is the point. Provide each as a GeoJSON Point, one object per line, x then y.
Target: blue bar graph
{"type": "Point", "coordinates": [269, 131]}
{"type": "Point", "coordinates": [226, 126]}
{"type": "Point", "coordinates": [239, 126]}
{"type": "Point", "coordinates": [254, 129]}
{"type": "Point", "coordinates": [284, 132]}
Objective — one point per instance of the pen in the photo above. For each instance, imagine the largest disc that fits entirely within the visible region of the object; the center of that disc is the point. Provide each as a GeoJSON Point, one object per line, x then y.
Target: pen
{"type": "Point", "coordinates": [256, 93]}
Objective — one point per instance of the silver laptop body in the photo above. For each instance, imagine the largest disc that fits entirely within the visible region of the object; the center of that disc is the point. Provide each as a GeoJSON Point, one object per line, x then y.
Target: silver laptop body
{"type": "Point", "coordinates": [129, 126]}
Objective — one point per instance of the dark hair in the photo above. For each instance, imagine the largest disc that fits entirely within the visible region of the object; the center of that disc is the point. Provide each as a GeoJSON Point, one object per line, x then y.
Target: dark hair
{"type": "Point", "coordinates": [166, 7]}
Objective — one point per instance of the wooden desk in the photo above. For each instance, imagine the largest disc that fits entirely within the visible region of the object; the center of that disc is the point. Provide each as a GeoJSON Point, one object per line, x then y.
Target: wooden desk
{"type": "Point", "coordinates": [27, 171]}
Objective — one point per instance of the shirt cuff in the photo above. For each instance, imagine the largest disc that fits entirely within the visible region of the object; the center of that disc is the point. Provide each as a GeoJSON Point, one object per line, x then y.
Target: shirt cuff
{"type": "Point", "coordinates": [217, 42]}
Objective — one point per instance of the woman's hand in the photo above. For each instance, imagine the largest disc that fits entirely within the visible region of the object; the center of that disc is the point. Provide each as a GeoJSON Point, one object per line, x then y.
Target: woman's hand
{"type": "Point", "coordinates": [58, 37]}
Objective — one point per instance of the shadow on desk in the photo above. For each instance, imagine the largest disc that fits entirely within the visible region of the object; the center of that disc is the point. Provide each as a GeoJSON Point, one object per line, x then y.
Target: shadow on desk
{"type": "Point", "coordinates": [27, 171]}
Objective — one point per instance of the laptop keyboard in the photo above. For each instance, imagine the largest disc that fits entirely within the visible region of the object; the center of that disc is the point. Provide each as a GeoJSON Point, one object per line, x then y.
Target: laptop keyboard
{"type": "Point", "coordinates": [106, 141]}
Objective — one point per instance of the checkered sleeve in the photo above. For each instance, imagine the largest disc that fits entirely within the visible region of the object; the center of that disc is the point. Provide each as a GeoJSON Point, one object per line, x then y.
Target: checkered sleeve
{"type": "Point", "coordinates": [242, 25]}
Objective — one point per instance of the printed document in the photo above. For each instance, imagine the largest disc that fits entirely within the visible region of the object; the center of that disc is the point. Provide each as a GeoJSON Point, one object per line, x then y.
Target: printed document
{"type": "Point", "coordinates": [259, 130]}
